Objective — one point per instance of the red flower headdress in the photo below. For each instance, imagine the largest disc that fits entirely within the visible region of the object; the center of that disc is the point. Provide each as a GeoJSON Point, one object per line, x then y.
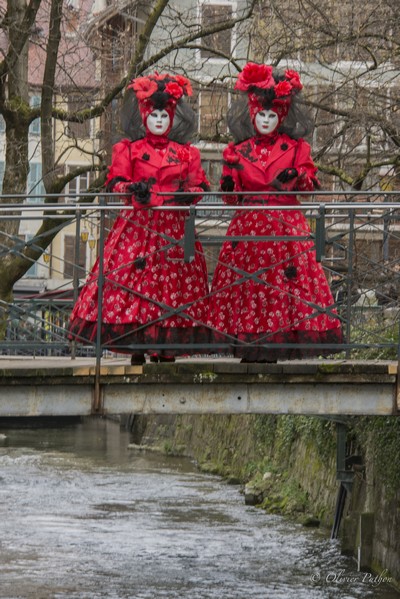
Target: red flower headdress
{"type": "Point", "coordinates": [160, 92]}
{"type": "Point", "coordinates": [266, 91]}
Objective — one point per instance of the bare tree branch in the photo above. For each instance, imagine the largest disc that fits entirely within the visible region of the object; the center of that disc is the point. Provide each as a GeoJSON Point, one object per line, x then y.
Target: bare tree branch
{"type": "Point", "coordinates": [48, 91]}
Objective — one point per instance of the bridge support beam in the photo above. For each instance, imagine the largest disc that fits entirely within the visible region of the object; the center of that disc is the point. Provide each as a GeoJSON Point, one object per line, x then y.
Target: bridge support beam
{"type": "Point", "coordinates": [198, 398]}
{"type": "Point", "coordinates": [270, 398]}
{"type": "Point", "coordinates": [77, 388]}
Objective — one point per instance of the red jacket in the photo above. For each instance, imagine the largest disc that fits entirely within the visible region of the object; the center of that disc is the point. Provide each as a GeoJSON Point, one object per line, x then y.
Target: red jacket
{"type": "Point", "coordinates": [180, 169]}
{"type": "Point", "coordinates": [249, 174]}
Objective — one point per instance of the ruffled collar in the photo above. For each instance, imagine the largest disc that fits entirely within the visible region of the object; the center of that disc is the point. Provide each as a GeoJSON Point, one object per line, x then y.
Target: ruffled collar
{"type": "Point", "coordinates": [157, 141]}
{"type": "Point", "coordinates": [266, 140]}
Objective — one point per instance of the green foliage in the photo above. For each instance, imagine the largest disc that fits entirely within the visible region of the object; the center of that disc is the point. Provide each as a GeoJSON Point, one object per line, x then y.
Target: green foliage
{"type": "Point", "coordinates": [380, 435]}
{"type": "Point", "coordinates": [172, 449]}
{"type": "Point", "coordinates": [284, 497]}
{"type": "Point", "coordinates": [256, 470]}
{"type": "Point", "coordinates": [168, 448]}
{"type": "Point", "coordinates": [265, 429]}
{"type": "Point", "coordinates": [286, 433]}
{"type": "Point", "coordinates": [373, 329]}
{"type": "Point", "coordinates": [277, 434]}
{"type": "Point", "coordinates": [320, 432]}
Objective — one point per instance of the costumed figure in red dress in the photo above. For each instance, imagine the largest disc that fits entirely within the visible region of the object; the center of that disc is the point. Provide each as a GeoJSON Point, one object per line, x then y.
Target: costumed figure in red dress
{"type": "Point", "coordinates": [151, 295]}
{"type": "Point", "coordinates": [270, 292]}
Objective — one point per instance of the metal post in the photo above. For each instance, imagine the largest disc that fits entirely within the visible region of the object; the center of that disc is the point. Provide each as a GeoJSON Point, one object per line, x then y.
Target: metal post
{"type": "Point", "coordinates": [190, 240]}
{"type": "Point", "coordinates": [385, 241]}
{"type": "Point", "coordinates": [340, 448]}
{"type": "Point", "coordinates": [343, 474]}
{"type": "Point", "coordinates": [97, 407]}
{"type": "Point", "coordinates": [75, 276]}
{"type": "Point", "coordinates": [349, 281]}
{"type": "Point", "coordinates": [320, 234]}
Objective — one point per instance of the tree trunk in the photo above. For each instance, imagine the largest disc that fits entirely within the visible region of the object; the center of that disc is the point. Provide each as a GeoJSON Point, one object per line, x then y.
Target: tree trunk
{"type": "Point", "coordinates": [17, 147]}
{"type": "Point", "coordinates": [47, 140]}
{"type": "Point", "coordinates": [17, 129]}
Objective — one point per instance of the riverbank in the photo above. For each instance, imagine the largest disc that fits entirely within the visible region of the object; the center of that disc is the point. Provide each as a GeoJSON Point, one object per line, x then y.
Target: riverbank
{"type": "Point", "coordinates": [287, 465]}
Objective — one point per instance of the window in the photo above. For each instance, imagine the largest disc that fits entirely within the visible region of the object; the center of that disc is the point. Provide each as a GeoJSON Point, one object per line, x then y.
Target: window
{"type": "Point", "coordinates": [70, 261]}
{"type": "Point", "coordinates": [35, 182]}
{"type": "Point", "coordinates": [79, 185]}
{"type": "Point", "coordinates": [79, 130]}
{"type": "Point", "coordinates": [34, 129]}
{"type": "Point", "coordinates": [214, 14]}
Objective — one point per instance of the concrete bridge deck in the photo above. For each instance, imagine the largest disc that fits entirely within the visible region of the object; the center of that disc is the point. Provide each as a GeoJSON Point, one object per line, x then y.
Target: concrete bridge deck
{"type": "Point", "coordinates": [64, 387]}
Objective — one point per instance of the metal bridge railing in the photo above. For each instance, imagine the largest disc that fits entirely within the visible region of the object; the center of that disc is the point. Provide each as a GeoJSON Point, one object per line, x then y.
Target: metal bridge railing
{"type": "Point", "coordinates": [356, 237]}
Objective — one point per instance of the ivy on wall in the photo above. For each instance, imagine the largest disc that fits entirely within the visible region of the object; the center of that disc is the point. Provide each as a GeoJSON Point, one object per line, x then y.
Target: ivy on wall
{"type": "Point", "coordinates": [380, 436]}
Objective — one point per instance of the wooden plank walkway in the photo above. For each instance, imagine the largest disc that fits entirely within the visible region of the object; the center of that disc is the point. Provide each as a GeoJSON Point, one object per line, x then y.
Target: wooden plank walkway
{"type": "Point", "coordinates": [61, 386]}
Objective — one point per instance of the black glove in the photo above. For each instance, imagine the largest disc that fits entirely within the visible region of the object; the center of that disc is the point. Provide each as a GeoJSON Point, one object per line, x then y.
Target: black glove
{"type": "Point", "coordinates": [141, 191]}
{"type": "Point", "coordinates": [184, 200]}
{"type": "Point", "coordinates": [227, 183]}
{"type": "Point", "coordinates": [287, 175]}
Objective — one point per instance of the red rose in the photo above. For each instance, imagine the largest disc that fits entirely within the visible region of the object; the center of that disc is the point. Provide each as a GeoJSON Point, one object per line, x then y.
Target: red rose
{"type": "Point", "coordinates": [174, 90]}
{"type": "Point", "coordinates": [183, 154]}
{"type": "Point", "coordinates": [294, 79]}
{"type": "Point", "coordinates": [258, 75]}
{"type": "Point", "coordinates": [230, 154]}
{"type": "Point", "coordinates": [185, 84]}
{"type": "Point", "coordinates": [143, 87]}
{"type": "Point", "coordinates": [283, 88]}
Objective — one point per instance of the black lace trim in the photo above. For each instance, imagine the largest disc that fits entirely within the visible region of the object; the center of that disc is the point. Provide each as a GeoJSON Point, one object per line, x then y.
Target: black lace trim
{"type": "Point", "coordinates": [124, 337]}
{"type": "Point", "coordinates": [253, 347]}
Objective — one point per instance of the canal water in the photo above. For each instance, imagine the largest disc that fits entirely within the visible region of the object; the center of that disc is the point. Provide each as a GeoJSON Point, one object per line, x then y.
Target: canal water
{"type": "Point", "coordinates": [82, 516]}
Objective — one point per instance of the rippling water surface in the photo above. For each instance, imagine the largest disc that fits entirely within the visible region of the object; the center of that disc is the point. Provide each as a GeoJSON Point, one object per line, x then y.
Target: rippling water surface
{"type": "Point", "coordinates": [82, 516]}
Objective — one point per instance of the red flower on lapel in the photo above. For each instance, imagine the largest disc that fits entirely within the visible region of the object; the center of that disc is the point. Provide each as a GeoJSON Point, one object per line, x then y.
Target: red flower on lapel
{"type": "Point", "coordinates": [183, 153]}
{"type": "Point", "coordinates": [230, 154]}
